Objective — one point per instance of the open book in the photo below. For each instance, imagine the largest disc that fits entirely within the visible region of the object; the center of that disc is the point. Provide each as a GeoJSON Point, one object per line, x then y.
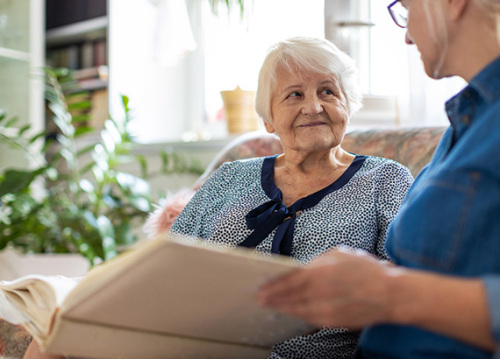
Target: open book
{"type": "Point", "coordinates": [169, 298]}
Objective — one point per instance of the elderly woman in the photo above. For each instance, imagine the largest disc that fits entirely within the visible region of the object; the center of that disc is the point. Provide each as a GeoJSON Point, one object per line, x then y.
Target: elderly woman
{"type": "Point", "coordinates": [313, 197]}
{"type": "Point", "coordinates": [443, 300]}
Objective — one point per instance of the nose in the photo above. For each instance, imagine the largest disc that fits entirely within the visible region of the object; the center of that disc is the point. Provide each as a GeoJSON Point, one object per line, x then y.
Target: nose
{"type": "Point", "coordinates": [312, 106]}
{"type": "Point", "coordinates": [408, 39]}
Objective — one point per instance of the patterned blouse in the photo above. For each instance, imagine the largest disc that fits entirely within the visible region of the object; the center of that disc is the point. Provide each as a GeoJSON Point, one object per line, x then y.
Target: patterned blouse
{"type": "Point", "coordinates": [353, 211]}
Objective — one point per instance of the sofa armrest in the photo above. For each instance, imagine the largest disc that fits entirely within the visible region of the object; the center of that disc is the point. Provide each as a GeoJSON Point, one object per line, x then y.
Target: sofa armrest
{"type": "Point", "coordinates": [14, 340]}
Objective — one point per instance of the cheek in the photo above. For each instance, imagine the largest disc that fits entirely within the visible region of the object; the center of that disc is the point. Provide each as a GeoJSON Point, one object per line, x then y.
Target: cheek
{"type": "Point", "coordinates": [342, 110]}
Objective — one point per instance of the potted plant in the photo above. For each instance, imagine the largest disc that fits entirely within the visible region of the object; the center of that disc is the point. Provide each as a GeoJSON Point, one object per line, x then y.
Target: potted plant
{"type": "Point", "coordinates": [77, 200]}
{"type": "Point", "coordinates": [239, 106]}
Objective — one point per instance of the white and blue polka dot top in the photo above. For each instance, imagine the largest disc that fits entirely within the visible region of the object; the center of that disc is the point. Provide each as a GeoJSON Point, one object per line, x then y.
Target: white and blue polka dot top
{"type": "Point", "coordinates": [353, 211]}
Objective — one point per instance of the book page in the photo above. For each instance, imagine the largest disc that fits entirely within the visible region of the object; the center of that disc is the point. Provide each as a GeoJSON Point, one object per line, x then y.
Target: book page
{"type": "Point", "coordinates": [32, 300]}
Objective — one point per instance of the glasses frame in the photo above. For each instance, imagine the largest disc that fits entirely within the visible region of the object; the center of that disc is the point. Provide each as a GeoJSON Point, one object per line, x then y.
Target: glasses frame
{"type": "Point", "coordinates": [393, 14]}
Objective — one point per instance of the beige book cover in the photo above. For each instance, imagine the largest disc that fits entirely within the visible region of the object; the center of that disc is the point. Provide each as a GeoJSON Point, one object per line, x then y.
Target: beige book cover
{"type": "Point", "coordinates": [169, 298]}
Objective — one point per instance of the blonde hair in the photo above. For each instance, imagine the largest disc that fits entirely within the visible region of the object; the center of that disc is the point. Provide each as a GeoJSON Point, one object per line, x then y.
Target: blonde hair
{"type": "Point", "coordinates": [309, 54]}
{"type": "Point", "coordinates": [434, 12]}
{"type": "Point", "coordinates": [437, 24]}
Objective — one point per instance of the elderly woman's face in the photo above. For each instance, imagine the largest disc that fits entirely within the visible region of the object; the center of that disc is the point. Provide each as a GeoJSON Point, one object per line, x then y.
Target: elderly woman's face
{"type": "Point", "coordinates": [308, 111]}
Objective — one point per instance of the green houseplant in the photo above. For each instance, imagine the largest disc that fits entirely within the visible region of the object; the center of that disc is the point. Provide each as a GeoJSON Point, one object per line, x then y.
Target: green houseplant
{"type": "Point", "coordinates": [76, 200]}
{"type": "Point", "coordinates": [227, 3]}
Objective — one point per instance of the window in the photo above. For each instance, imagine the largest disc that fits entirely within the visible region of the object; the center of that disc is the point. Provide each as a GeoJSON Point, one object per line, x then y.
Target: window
{"type": "Point", "coordinates": [396, 89]}
{"type": "Point", "coordinates": [183, 100]}
{"type": "Point", "coordinates": [236, 49]}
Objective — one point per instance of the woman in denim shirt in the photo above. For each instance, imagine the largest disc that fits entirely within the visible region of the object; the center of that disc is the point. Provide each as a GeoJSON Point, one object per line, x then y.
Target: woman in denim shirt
{"type": "Point", "coordinates": [442, 300]}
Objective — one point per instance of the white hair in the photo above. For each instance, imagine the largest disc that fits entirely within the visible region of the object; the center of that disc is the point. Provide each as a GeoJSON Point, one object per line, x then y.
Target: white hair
{"type": "Point", "coordinates": [310, 55]}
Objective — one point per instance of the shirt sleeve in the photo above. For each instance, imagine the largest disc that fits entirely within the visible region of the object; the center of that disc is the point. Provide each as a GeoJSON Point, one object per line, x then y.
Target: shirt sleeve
{"type": "Point", "coordinates": [492, 284]}
{"type": "Point", "coordinates": [393, 181]}
{"type": "Point", "coordinates": [190, 220]}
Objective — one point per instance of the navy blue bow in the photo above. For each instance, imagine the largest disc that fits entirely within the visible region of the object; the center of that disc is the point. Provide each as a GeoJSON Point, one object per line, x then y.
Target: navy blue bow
{"type": "Point", "coordinates": [265, 218]}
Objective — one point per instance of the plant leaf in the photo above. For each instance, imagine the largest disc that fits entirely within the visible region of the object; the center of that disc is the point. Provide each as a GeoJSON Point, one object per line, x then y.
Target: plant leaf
{"type": "Point", "coordinates": [81, 117]}
{"type": "Point", "coordinates": [36, 137]}
{"type": "Point", "coordinates": [10, 122]}
{"type": "Point", "coordinates": [79, 105]}
{"type": "Point", "coordinates": [144, 165]}
{"type": "Point", "coordinates": [108, 237]}
{"type": "Point", "coordinates": [23, 129]}
{"type": "Point", "coordinates": [132, 184]}
{"type": "Point", "coordinates": [86, 149]}
{"type": "Point", "coordinates": [81, 130]}
{"type": "Point", "coordinates": [15, 181]}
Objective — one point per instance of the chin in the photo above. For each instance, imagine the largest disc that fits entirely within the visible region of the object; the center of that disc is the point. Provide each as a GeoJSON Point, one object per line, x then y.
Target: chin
{"type": "Point", "coordinates": [431, 70]}
{"type": "Point", "coordinates": [322, 144]}
{"type": "Point", "coordinates": [435, 70]}
{"type": "Point", "coordinates": [438, 75]}
{"type": "Point", "coordinates": [433, 73]}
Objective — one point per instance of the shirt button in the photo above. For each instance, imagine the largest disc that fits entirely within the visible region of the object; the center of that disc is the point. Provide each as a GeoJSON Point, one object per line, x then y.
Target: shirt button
{"type": "Point", "coordinates": [466, 120]}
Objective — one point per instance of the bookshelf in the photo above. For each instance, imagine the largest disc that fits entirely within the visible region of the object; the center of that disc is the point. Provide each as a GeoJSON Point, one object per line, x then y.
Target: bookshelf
{"type": "Point", "coordinates": [77, 38]}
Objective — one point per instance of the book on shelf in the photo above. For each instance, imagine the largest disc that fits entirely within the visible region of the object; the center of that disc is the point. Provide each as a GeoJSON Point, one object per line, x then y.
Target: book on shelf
{"type": "Point", "coordinates": [100, 72]}
{"type": "Point", "coordinates": [172, 297]}
{"type": "Point", "coordinates": [100, 52]}
{"type": "Point", "coordinates": [86, 54]}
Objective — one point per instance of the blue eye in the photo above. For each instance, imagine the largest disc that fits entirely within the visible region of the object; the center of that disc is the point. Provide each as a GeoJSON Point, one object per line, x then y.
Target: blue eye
{"type": "Point", "coordinates": [294, 94]}
{"type": "Point", "coordinates": [328, 92]}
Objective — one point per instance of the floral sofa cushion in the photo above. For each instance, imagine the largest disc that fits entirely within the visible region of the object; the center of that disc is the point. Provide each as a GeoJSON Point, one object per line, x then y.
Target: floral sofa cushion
{"type": "Point", "coordinates": [413, 147]}
{"type": "Point", "coordinates": [13, 341]}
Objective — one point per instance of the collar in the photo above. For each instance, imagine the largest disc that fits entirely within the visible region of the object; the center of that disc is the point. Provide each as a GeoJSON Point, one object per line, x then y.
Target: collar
{"type": "Point", "coordinates": [274, 214]}
{"type": "Point", "coordinates": [482, 91]}
{"type": "Point", "coordinates": [489, 90]}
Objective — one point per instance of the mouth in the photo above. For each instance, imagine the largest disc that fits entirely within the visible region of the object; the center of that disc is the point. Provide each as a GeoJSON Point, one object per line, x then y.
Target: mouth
{"type": "Point", "coordinates": [313, 124]}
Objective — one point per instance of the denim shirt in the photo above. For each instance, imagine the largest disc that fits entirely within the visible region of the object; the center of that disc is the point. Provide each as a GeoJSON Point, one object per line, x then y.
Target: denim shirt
{"type": "Point", "coordinates": [449, 222]}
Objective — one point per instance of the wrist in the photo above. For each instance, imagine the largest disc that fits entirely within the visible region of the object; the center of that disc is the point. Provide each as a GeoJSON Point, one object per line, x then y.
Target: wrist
{"type": "Point", "coordinates": [399, 296]}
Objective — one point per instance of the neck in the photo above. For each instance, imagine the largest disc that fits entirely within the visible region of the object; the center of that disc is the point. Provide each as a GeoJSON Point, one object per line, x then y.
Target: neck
{"type": "Point", "coordinates": [299, 175]}
{"type": "Point", "coordinates": [314, 162]}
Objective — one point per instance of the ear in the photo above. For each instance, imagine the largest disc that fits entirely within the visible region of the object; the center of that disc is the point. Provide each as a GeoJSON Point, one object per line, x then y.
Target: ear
{"type": "Point", "coordinates": [456, 8]}
{"type": "Point", "coordinates": [269, 127]}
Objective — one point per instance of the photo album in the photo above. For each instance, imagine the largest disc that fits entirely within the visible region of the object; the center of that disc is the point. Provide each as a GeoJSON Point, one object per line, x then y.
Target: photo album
{"type": "Point", "coordinates": [172, 297]}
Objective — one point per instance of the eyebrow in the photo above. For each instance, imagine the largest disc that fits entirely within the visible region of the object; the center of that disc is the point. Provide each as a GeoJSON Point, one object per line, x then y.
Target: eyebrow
{"type": "Point", "coordinates": [289, 88]}
{"type": "Point", "coordinates": [330, 82]}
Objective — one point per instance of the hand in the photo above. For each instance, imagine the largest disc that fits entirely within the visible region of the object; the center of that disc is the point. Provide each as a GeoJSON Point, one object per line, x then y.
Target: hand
{"type": "Point", "coordinates": [34, 352]}
{"type": "Point", "coordinates": [342, 288]}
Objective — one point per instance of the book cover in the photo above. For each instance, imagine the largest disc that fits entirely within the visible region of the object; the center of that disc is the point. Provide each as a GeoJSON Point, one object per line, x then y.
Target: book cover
{"type": "Point", "coordinates": [169, 298]}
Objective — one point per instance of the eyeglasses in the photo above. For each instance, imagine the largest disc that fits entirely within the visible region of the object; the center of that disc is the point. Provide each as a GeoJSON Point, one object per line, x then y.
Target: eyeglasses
{"type": "Point", "coordinates": [398, 13]}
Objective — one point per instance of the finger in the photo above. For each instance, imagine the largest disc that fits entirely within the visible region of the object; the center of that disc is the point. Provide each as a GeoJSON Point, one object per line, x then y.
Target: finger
{"type": "Point", "coordinates": [281, 286]}
{"type": "Point", "coordinates": [313, 311]}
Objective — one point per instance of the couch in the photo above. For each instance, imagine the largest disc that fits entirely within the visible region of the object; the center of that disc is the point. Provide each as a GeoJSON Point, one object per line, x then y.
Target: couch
{"type": "Point", "coordinates": [413, 147]}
